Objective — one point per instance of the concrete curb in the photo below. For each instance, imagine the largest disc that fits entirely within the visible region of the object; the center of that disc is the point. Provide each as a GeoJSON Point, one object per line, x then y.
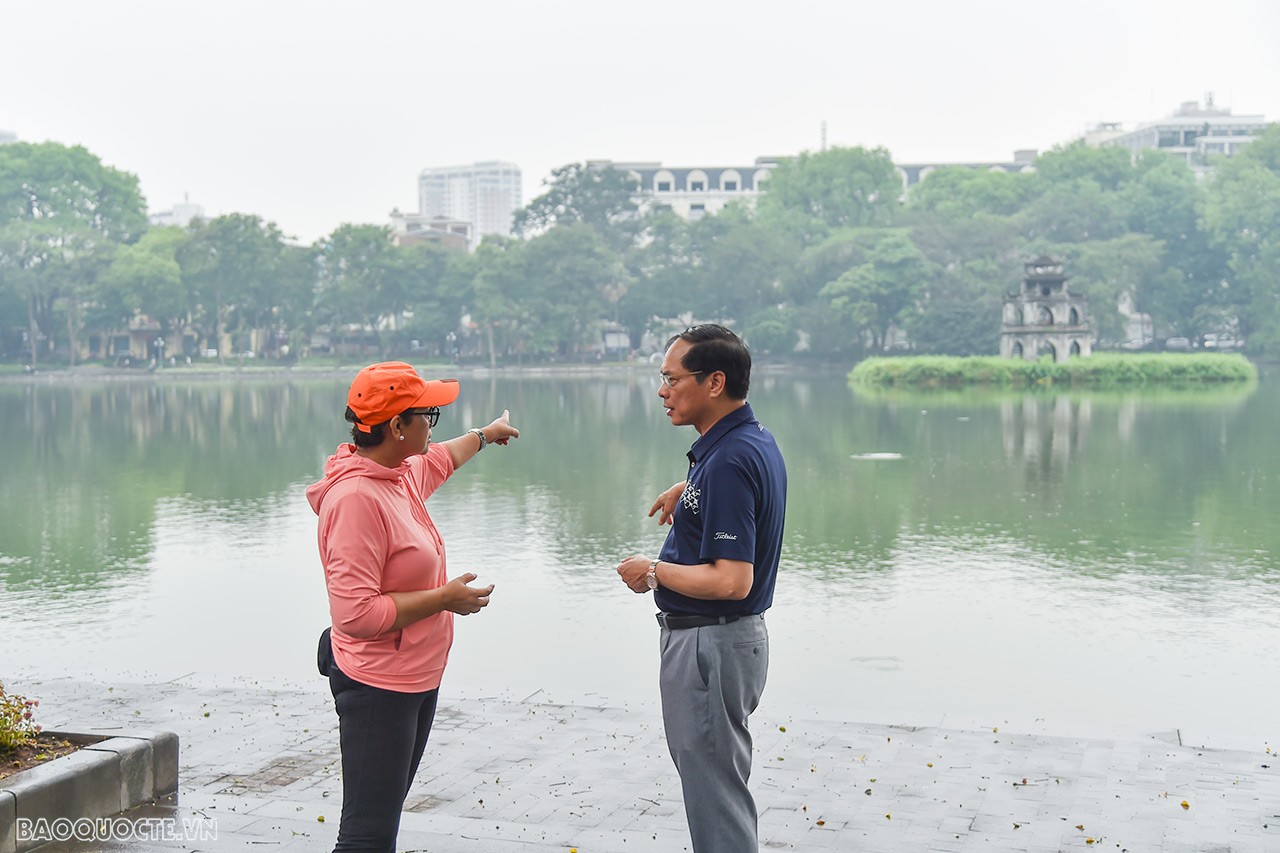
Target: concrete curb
{"type": "Point", "coordinates": [102, 779]}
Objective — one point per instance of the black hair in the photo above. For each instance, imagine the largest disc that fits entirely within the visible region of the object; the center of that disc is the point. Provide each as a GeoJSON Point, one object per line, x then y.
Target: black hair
{"type": "Point", "coordinates": [376, 432]}
{"type": "Point", "coordinates": [359, 437]}
{"type": "Point", "coordinates": [714, 347]}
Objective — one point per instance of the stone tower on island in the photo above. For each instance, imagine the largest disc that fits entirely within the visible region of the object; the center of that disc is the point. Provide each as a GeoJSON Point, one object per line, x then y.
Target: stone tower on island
{"type": "Point", "coordinates": [1043, 318]}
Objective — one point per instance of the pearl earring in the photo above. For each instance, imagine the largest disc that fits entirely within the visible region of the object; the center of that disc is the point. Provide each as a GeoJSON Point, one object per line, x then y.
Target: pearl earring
{"type": "Point", "coordinates": [402, 438]}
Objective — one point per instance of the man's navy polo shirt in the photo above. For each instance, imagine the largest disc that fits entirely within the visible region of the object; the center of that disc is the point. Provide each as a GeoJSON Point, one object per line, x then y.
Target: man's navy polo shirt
{"type": "Point", "coordinates": [733, 508]}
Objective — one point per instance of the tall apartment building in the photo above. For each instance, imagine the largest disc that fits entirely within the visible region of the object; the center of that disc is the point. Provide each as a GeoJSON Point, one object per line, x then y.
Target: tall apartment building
{"type": "Point", "coordinates": [485, 194]}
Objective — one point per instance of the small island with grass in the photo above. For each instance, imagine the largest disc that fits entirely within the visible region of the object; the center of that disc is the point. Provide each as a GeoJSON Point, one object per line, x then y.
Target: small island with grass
{"type": "Point", "coordinates": [1100, 370]}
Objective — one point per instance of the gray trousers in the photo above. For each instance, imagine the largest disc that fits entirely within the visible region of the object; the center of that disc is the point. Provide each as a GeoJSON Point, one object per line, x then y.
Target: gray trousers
{"type": "Point", "coordinates": [711, 680]}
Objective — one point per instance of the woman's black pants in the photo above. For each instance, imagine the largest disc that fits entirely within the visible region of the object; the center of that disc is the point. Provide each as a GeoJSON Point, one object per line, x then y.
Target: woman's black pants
{"type": "Point", "coordinates": [383, 734]}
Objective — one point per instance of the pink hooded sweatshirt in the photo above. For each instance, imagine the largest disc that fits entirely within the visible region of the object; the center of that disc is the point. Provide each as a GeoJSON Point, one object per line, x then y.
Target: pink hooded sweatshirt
{"type": "Point", "coordinates": [376, 537]}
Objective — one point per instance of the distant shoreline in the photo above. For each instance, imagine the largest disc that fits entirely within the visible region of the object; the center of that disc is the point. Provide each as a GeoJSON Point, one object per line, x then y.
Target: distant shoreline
{"type": "Point", "coordinates": [248, 373]}
{"type": "Point", "coordinates": [207, 373]}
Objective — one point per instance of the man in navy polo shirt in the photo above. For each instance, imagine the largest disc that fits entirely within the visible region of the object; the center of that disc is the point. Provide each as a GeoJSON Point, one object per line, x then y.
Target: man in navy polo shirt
{"type": "Point", "coordinates": [713, 581]}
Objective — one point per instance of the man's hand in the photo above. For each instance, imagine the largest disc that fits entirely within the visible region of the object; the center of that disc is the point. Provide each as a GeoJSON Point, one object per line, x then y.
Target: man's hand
{"type": "Point", "coordinates": [667, 503]}
{"type": "Point", "coordinates": [465, 600]}
{"type": "Point", "coordinates": [632, 571]}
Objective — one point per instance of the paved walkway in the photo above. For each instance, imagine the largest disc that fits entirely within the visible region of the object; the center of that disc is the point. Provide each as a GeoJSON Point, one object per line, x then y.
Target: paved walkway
{"type": "Point", "coordinates": [505, 776]}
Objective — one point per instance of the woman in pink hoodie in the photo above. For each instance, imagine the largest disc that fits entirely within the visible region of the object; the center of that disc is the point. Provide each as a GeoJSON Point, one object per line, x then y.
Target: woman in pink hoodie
{"type": "Point", "coordinates": [390, 598]}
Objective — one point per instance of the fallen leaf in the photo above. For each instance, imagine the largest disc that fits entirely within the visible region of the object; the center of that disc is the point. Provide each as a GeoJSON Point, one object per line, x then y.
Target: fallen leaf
{"type": "Point", "coordinates": [867, 792]}
{"type": "Point", "coordinates": [320, 818]}
{"type": "Point", "coordinates": [930, 764]}
{"type": "Point", "coordinates": [1080, 826]}
{"type": "Point", "coordinates": [888, 817]}
{"type": "Point", "coordinates": [822, 823]}
{"type": "Point", "coordinates": [782, 728]}
{"type": "Point", "coordinates": [1017, 826]}
{"type": "Point", "coordinates": [1185, 804]}
{"type": "Point", "coordinates": [1088, 841]}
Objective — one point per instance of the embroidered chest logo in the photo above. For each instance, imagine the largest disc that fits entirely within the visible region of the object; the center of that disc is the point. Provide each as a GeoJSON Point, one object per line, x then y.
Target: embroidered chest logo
{"type": "Point", "coordinates": [690, 497]}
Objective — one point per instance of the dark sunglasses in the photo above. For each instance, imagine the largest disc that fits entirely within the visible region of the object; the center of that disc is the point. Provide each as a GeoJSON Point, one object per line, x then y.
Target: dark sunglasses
{"type": "Point", "coordinates": [432, 415]}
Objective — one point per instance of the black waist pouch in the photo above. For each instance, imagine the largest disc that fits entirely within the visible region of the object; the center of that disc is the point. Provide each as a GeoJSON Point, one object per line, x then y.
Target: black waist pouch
{"type": "Point", "coordinates": [324, 653]}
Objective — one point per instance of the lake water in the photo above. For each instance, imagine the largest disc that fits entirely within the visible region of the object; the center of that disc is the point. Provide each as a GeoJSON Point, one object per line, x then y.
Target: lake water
{"type": "Point", "coordinates": [1077, 563]}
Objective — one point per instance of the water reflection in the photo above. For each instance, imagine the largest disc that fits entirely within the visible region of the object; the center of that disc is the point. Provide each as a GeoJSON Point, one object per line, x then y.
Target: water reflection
{"type": "Point", "coordinates": [1044, 434]}
{"type": "Point", "coordinates": [1117, 539]}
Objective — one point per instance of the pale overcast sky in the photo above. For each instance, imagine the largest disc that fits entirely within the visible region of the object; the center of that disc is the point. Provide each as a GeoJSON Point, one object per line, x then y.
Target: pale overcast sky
{"type": "Point", "coordinates": [311, 114]}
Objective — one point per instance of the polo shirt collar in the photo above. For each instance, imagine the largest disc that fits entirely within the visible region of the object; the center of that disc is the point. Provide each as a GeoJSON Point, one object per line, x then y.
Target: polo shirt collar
{"type": "Point", "coordinates": [719, 430]}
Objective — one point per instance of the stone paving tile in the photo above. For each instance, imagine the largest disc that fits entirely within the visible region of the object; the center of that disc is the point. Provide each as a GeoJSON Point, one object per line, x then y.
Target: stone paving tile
{"type": "Point", "coordinates": [264, 763]}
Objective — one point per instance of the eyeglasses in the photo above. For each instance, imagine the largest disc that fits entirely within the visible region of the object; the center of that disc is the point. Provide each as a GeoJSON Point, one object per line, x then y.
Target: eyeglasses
{"type": "Point", "coordinates": [670, 381]}
{"type": "Point", "coordinates": [432, 415]}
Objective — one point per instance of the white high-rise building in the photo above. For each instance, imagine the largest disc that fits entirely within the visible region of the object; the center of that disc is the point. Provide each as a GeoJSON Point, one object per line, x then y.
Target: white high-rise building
{"type": "Point", "coordinates": [485, 194]}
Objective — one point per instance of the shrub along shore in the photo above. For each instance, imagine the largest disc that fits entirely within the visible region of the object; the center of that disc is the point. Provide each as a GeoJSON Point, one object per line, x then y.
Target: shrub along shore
{"type": "Point", "coordinates": [1101, 370]}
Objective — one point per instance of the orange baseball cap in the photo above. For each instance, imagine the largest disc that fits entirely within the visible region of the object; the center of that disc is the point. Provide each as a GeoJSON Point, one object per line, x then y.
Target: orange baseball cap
{"type": "Point", "coordinates": [382, 391]}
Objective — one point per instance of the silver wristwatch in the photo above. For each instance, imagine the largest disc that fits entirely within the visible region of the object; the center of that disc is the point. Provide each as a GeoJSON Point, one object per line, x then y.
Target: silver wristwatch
{"type": "Point", "coordinates": [652, 577]}
{"type": "Point", "coordinates": [479, 433]}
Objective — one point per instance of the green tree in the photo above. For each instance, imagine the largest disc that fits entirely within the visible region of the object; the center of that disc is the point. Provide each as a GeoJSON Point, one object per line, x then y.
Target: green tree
{"type": "Point", "coordinates": [1164, 201]}
{"type": "Point", "coordinates": [662, 269]}
{"type": "Point", "coordinates": [740, 265]}
{"type": "Point", "coordinates": [498, 284]}
{"type": "Point", "coordinates": [876, 294]}
{"type": "Point", "coordinates": [61, 212]}
{"type": "Point", "coordinates": [145, 278]}
{"type": "Point", "coordinates": [294, 294]}
{"type": "Point", "coordinates": [573, 275]}
{"type": "Point", "coordinates": [1074, 212]}
{"type": "Point", "coordinates": [979, 258]}
{"type": "Point", "coordinates": [1242, 217]}
{"type": "Point", "coordinates": [1103, 270]}
{"type": "Point", "coordinates": [546, 297]}
{"type": "Point", "coordinates": [956, 192]}
{"type": "Point", "coordinates": [440, 287]}
{"type": "Point", "coordinates": [825, 261]}
{"type": "Point", "coordinates": [814, 194]}
{"type": "Point", "coordinates": [362, 282]}
{"type": "Point", "coordinates": [772, 331]}
{"type": "Point", "coordinates": [603, 198]}
{"type": "Point", "coordinates": [1108, 168]}
{"type": "Point", "coordinates": [229, 266]}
